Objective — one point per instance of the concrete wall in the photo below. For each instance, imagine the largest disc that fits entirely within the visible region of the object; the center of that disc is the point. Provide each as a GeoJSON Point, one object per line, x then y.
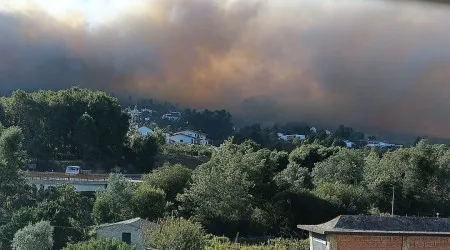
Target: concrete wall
{"type": "Point", "coordinates": [115, 231]}
{"type": "Point", "coordinates": [387, 242]}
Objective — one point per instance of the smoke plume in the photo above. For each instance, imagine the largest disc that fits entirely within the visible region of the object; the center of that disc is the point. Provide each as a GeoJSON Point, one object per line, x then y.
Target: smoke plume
{"type": "Point", "coordinates": [374, 65]}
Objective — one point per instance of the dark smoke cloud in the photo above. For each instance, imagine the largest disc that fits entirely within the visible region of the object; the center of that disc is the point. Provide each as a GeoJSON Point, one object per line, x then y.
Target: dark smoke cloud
{"type": "Point", "coordinates": [378, 66]}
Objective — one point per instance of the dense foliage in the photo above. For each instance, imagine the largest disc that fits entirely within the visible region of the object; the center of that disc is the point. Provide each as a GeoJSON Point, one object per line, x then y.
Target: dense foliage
{"type": "Point", "coordinates": [34, 237]}
{"type": "Point", "coordinates": [223, 243]}
{"type": "Point", "coordinates": [176, 233]}
{"type": "Point", "coordinates": [170, 178]}
{"type": "Point", "coordinates": [68, 124]}
{"type": "Point", "coordinates": [251, 190]}
{"type": "Point", "coordinates": [102, 243]}
{"type": "Point", "coordinates": [192, 150]}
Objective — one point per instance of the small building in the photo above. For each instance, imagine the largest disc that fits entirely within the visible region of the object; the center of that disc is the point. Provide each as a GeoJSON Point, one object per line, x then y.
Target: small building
{"type": "Point", "coordinates": [282, 136]}
{"type": "Point", "coordinates": [172, 116]}
{"type": "Point", "coordinates": [129, 231]}
{"type": "Point", "coordinates": [182, 138]}
{"type": "Point", "coordinates": [359, 232]}
{"type": "Point", "coordinates": [349, 144]}
{"type": "Point", "coordinates": [144, 131]}
{"type": "Point", "coordinates": [189, 137]}
{"type": "Point", "coordinates": [313, 129]}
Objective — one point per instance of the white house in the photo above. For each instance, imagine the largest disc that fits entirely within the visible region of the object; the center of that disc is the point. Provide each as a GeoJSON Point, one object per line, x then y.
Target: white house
{"type": "Point", "coordinates": [129, 231]}
{"type": "Point", "coordinates": [189, 137]}
{"type": "Point", "coordinates": [380, 144]}
{"type": "Point", "coordinates": [313, 129]}
{"type": "Point", "coordinates": [181, 138]}
{"type": "Point", "coordinates": [173, 116]}
{"type": "Point", "coordinates": [349, 144]}
{"type": "Point", "coordinates": [282, 136]}
{"type": "Point", "coordinates": [144, 131]}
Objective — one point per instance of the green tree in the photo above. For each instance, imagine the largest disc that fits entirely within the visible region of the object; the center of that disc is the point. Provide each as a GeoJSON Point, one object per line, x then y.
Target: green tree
{"type": "Point", "coordinates": [345, 167]}
{"type": "Point", "coordinates": [347, 199]}
{"type": "Point", "coordinates": [112, 205]}
{"type": "Point", "coordinates": [309, 154]}
{"type": "Point", "coordinates": [294, 178]}
{"type": "Point", "coordinates": [170, 178]}
{"type": "Point", "coordinates": [217, 124]}
{"type": "Point", "coordinates": [66, 208]}
{"type": "Point", "coordinates": [219, 195]}
{"type": "Point", "coordinates": [14, 191]}
{"type": "Point", "coordinates": [176, 233]}
{"type": "Point", "coordinates": [34, 237]}
{"type": "Point", "coordinates": [160, 137]}
{"type": "Point", "coordinates": [416, 173]}
{"type": "Point", "coordinates": [102, 243]}
{"type": "Point", "coordinates": [48, 120]}
{"type": "Point", "coordinates": [148, 202]}
{"type": "Point", "coordinates": [144, 150]}
{"type": "Point", "coordinates": [225, 191]}
{"type": "Point", "coordinates": [86, 136]}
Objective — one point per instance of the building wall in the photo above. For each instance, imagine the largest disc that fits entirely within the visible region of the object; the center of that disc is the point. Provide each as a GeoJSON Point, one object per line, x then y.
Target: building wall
{"type": "Point", "coordinates": [144, 131]}
{"type": "Point", "coordinates": [182, 139]}
{"type": "Point", "coordinates": [377, 242]}
{"type": "Point", "coordinates": [190, 133]}
{"type": "Point", "coordinates": [115, 231]}
{"type": "Point", "coordinates": [429, 242]}
{"type": "Point", "coordinates": [365, 242]}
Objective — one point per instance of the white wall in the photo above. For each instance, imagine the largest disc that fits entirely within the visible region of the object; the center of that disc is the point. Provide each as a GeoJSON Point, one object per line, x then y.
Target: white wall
{"type": "Point", "coordinates": [115, 231]}
{"type": "Point", "coordinates": [144, 131]}
{"type": "Point", "coordinates": [182, 139]}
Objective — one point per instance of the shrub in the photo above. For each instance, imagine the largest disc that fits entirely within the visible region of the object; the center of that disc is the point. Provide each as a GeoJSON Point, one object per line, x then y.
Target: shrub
{"type": "Point", "coordinates": [176, 233]}
{"type": "Point", "coordinates": [170, 178]}
{"type": "Point", "coordinates": [148, 202]}
{"type": "Point", "coordinates": [223, 243]}
{"type": "Point", "coordinates": [102, 243]}
{"type": "Point", "coordinates": [191, 150]}
{"type": "Point", "coordinates": [37, 236]}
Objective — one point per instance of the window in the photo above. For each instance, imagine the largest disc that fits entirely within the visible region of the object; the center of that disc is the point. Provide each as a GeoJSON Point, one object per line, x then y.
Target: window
{"type": "Point", "coordinates": [126, 237]}
{"type": "Point", "coordinates": [181, 140]}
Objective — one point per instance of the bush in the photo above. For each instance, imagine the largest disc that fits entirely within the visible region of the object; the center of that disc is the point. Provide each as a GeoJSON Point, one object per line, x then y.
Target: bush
{"type": "Point", "coordinates": [178, 149]}
{"type": "Point", "coordinates": [37, 236]}
{"type": "Point", "coordinates": [102, 243]}
{"type": "Point", "coordinates": [148, 202]}
{"type": "Point", "coordinates": [176, 233]}
{"type": "Point", "coordinates": [223, 243]}
{"type": "Point", "coordinates": [170, 178]}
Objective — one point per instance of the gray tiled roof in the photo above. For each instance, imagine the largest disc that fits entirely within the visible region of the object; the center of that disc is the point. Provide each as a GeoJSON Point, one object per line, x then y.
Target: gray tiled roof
{"type": "Point", "coordinates": [382, 224]}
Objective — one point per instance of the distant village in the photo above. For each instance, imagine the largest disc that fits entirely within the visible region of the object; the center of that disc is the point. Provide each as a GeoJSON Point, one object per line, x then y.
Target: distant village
{"type": "Point", "coordinates": [143, 121]}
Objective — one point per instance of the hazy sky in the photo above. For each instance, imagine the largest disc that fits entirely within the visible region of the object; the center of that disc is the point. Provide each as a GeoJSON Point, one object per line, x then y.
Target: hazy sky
{"type": "Point", "coordinates": [374, 65]}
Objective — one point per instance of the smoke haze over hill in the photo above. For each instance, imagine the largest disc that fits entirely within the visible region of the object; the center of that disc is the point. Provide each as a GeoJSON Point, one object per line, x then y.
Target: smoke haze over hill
{"type": "Point", "coordinates": [374, 65]}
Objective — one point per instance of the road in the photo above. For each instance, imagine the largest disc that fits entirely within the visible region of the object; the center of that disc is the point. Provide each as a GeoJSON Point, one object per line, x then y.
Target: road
{"type": "Point", "coordinates": [81, 182]}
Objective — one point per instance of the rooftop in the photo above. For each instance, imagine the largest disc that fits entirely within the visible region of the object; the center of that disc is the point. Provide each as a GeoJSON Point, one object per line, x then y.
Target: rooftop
{"type": "Point", "coordinates": [136, 222]}
{"type": "Point", "coordinates": [191, 130]}
{"type": "Point", "coordinates": [382, 225]}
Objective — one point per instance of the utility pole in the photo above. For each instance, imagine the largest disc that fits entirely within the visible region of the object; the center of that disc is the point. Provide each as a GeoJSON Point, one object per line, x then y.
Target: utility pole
{"type": "Point", "coordinates": [393, 198]}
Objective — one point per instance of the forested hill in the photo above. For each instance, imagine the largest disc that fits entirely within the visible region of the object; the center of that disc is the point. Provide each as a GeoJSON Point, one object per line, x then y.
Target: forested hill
{"type": "Point", "coordinates": [93, 127]}
{"type": "Point", "coordinates": [241, 189]}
